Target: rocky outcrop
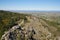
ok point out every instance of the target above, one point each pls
(16, 31)
(32, 30)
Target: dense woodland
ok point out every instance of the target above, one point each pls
(8, 19)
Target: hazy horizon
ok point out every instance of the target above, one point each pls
(37, 5)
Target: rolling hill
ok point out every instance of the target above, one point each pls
(18, 26)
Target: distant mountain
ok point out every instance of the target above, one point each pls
(31, 11)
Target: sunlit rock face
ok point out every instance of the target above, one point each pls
(18, 34)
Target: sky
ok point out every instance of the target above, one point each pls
(44, 5)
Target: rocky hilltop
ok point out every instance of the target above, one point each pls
(35, 29)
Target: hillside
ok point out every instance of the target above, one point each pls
(31, 27)
(9, 19)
